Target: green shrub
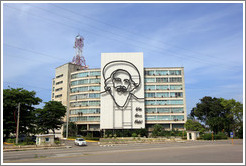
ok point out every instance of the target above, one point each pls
(220, 135)
(134, 135)
(207, 136)
(10, 140)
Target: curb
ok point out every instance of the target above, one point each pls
(71, 139)
(22, 149)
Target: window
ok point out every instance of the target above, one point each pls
(163, 117)
(79, 89)
(149, 79)
(176, 94)
(151, 117)
(164, 94)
(94, 88)
(53, 89)
(176, 87)
(161, 87)
(149, 87)
(149, 72)
(177, 117)
(175, 79)
(94, 81)
(94, 103)
(84, 118)
(54, 82)
(149, 94)
(57, 96)
(83, 82)
(161, 79)
(85, 111)
(150, 110)
(58, 89)
(150, 102)
(163, 110)
(161, 102)
(176, 102)
(94, 95)
(60, 82)
(161, 72)
(174, 72)
(177, 110)
(59, 76)
(95, 73)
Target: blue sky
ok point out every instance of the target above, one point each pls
(205, 39)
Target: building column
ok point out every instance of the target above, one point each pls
(171, 126)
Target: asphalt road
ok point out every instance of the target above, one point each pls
(172, 152)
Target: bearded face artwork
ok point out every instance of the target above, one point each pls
(119, 83)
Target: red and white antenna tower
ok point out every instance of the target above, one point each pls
(78, 59)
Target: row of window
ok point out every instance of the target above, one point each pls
(163, 87)
(85, 103)
(164, 94)
(146, 72)
(85, 96)
(148, 80)
(86, 74)
(147, 110)
(163, 80)
(162, 72)
(165, 117)
(163, 102)
(165, 110)
(85, 111)
(148, 118)
(85, 81)
(84, 118)
(85, 88)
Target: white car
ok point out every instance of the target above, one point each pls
(80, 142)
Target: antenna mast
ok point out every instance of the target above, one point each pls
(78, 59)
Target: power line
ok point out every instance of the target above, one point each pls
(32, 51)
(199, 59)
(7, 82)
(54, 21)
(111, 25)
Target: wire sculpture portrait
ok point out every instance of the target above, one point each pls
(120, 83)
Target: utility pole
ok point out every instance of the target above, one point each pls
(68, 102)
(17, 130)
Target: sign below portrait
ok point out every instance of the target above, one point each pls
(122, 91)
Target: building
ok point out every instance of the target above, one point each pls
(122, 94)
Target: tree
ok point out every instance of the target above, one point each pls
(218, 113)
(194, 126)
(11, 98)
(235, 110)
(50, 117)
(157, 131)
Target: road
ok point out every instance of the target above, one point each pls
(172, 152)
